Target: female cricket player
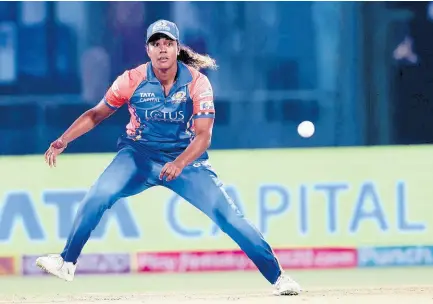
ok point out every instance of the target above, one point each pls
(170, 129)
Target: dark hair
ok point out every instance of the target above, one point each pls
(196, 60)
(188, 56)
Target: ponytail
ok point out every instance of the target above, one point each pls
(195, 60)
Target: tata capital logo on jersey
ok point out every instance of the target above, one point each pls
(148, 97)
(179, 97)
(156, 115)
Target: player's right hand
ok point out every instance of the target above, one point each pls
(56, 147)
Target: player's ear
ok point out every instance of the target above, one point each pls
(147, 49)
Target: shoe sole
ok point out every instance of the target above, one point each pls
(288, 293)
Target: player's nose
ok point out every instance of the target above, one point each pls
(163, 48)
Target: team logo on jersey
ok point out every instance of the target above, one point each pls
(179, 97)
(206, 105)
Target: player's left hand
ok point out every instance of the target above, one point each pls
(171, 170)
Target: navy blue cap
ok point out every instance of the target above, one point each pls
(163, 27)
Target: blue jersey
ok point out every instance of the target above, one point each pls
(162, 123)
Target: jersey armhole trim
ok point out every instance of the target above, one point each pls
(203, 115)
(109, 105)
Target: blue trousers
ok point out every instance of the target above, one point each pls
(131, 172)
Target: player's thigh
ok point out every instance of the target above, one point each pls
(199, 185)
(128, 174)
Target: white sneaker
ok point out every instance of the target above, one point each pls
(55, 265)
(286, 286)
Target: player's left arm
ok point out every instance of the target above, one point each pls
(201, 142)
(203, 115)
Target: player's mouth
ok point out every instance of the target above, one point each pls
(163, 59)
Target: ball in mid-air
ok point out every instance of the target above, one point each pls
(306, 129)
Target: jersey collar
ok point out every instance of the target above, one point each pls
(183, 73)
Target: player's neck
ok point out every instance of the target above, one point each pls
(166, 76)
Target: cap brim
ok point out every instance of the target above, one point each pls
(170, 35)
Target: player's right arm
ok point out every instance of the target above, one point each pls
(117, 95)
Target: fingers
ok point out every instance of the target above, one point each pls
(46, 155)
(53, 159)
(57, 147)
(169, 171)
(162, 174)
(50, 157)
(173, 173)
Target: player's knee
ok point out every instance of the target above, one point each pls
(101, 198)
(227, 219)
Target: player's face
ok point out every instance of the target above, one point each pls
(162, 52)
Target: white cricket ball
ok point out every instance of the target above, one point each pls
(306, 129)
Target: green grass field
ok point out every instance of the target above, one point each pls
(402, 285)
